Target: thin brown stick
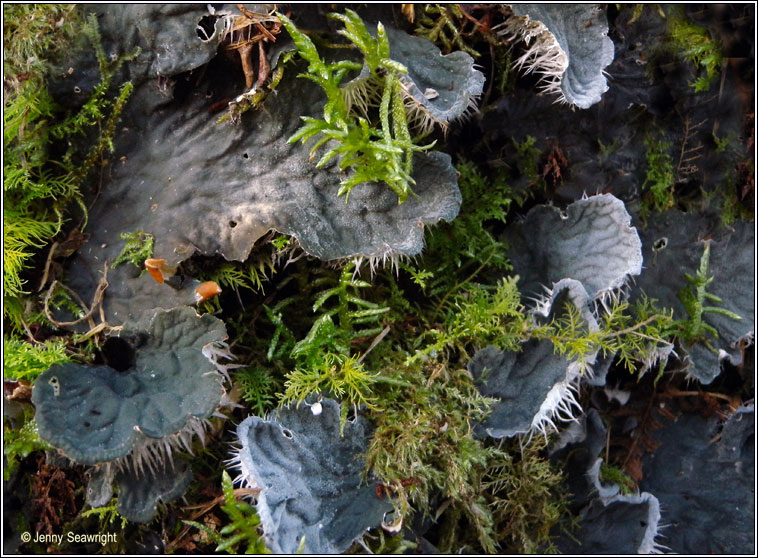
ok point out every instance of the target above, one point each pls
(375, 342)
(264, 68)
(49, 261)
(245, 52)
(97, 299)
(673, 392)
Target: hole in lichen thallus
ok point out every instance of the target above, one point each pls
(93, 413)
(287, 433)
(352, 415)
(232, 223)
(660, 244)
(118, 354)
(206, 27)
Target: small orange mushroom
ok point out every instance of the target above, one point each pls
(205, 291)
(159, 269)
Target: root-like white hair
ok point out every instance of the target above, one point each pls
(544, 57)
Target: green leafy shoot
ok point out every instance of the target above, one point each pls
(421, 277)
(633, 334)
(38, 190)
(475, 318)
(660, 178)
(108, 515)
(22, 235)
(692, 42)
(258, 388)
(375, 154)
(351, 310)
(696, 301)
(323, 359)
(23, 361)
(338, 376)
(19, 443)
(234, 276)
(242, 529)
(250, 275)
(442, 26)
(283, 340)
(356, 319)
(281, 242)
(138, 248)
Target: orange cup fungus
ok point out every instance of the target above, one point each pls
(207, 290)
(159, 269)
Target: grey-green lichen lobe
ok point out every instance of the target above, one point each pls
(140, 492)
(673, 246)
(443, 86)
(593, 242)
(581, 33)
(311, 478)
(95, 414)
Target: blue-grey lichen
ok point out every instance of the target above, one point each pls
(536, 385)
(570, 48)
(438, 89)
(704, 475)
(609, 522)
(100, 414)
(533, 386)
(310, 478)
(203, 188)
(618, 525)
(140, 493)
(673, 248)
(591, 242)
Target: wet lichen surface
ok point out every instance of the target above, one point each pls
(379, 278)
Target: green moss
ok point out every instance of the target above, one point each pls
(423, 443)
(528, 157)
(693, 43)
(660, 178)
(505, 75)
(458, 252)
(527, 498)
(242, 533)
(442, 26)
(697, 302)
(474, 318)
(23, 361)
(38, 191)
(632, 333)
(611, 474)
(323, 358)
(373, 153)
(20, 442)
(727, 197)
(108, 516)
(32, 32)
(137, 249)
(257, 387)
